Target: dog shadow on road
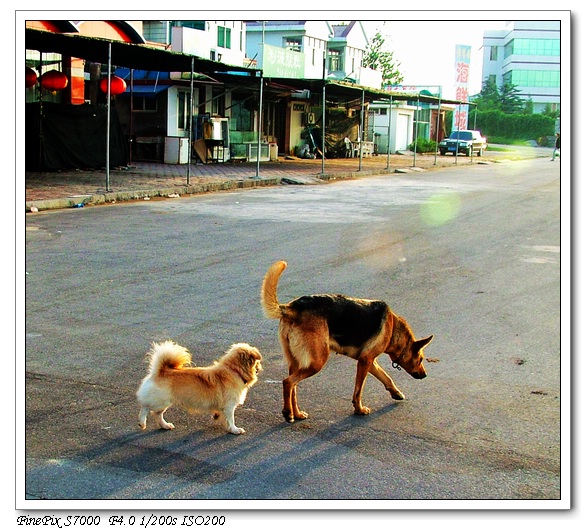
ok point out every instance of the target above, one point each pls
(281, 454)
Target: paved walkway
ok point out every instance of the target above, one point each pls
(74, 188)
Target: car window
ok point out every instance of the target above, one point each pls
(462, 135)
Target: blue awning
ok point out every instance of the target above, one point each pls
(145, 90)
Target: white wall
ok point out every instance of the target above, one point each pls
(401, 129)
(201, 43)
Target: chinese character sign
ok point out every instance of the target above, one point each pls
(280, 62)
(462, 66)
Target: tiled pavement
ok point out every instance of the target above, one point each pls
(62, 189)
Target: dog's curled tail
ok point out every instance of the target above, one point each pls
(167, 355)
(268, 292)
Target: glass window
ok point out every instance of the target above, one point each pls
(533, 78)
(224, 37)
(494, 53)
(144, 104)
(293, 44)
(194, 24)
(181, 111)
(540, 47)
(335, 60)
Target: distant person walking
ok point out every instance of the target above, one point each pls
(557, 147)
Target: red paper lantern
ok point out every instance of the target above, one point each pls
(54, 81)
(30, 77)
(117, 85)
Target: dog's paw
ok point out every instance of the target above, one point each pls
(300, 415)
(237, 430)
(142, 426)
(167, 426)
(363, 411)
(398, 395)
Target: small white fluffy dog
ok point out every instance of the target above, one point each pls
(219, 388)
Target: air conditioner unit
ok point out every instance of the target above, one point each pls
(309, 118)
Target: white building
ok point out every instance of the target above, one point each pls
(526, 54)
(297, 48)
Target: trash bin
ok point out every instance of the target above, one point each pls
(273, 151)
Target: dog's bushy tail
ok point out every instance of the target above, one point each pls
(167, 355)
(268, 292)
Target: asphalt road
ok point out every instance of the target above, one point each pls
(470, 254)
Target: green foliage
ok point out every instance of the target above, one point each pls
(510, 101)
(424, 146)
(496, 123)
(488, 98)
(506, 98)
(383, 61)
(551, 113)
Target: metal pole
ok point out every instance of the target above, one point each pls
(389, 133)
(40, 114)
(416, 132)
(361, 133)
(323, 118)
(108, 118)
(439, 107)
(130, 123)
(458, 131)
(191, 123)
(260, 101)
(259, 126)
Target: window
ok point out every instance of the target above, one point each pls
(494, 53)
(218, 103)
(183, 109)
(533, 78)
(224, 37)
(541, 47)
(335, 60)
(144, 104)
(292, 43)
(193, 24)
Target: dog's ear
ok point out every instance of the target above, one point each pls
(421, 343)
(249, 356)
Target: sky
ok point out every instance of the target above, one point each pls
(426, 49)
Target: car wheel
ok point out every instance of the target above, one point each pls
(443, 153)
(469, 151)
(479, 152)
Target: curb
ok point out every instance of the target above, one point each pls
(133, 195)
(79, 201)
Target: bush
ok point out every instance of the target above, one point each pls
(495, 123)
(424, 146)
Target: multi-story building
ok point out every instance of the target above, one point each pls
(526, 54)
(311, 49)
(227, 106)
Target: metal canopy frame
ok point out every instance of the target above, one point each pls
(133, 56)
(136, 56)
(143, 57)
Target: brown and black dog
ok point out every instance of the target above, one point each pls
(312, 326)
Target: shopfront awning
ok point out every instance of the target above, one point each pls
(138, 56)
(145, 90)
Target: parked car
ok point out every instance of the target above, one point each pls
(468, 142)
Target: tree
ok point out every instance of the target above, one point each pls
(548, 111)
(511, 103)
(488, 98)
(506, 98)
(382, 60)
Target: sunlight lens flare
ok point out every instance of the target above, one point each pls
(440, 209)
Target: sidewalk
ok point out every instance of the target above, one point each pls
(77, 188)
